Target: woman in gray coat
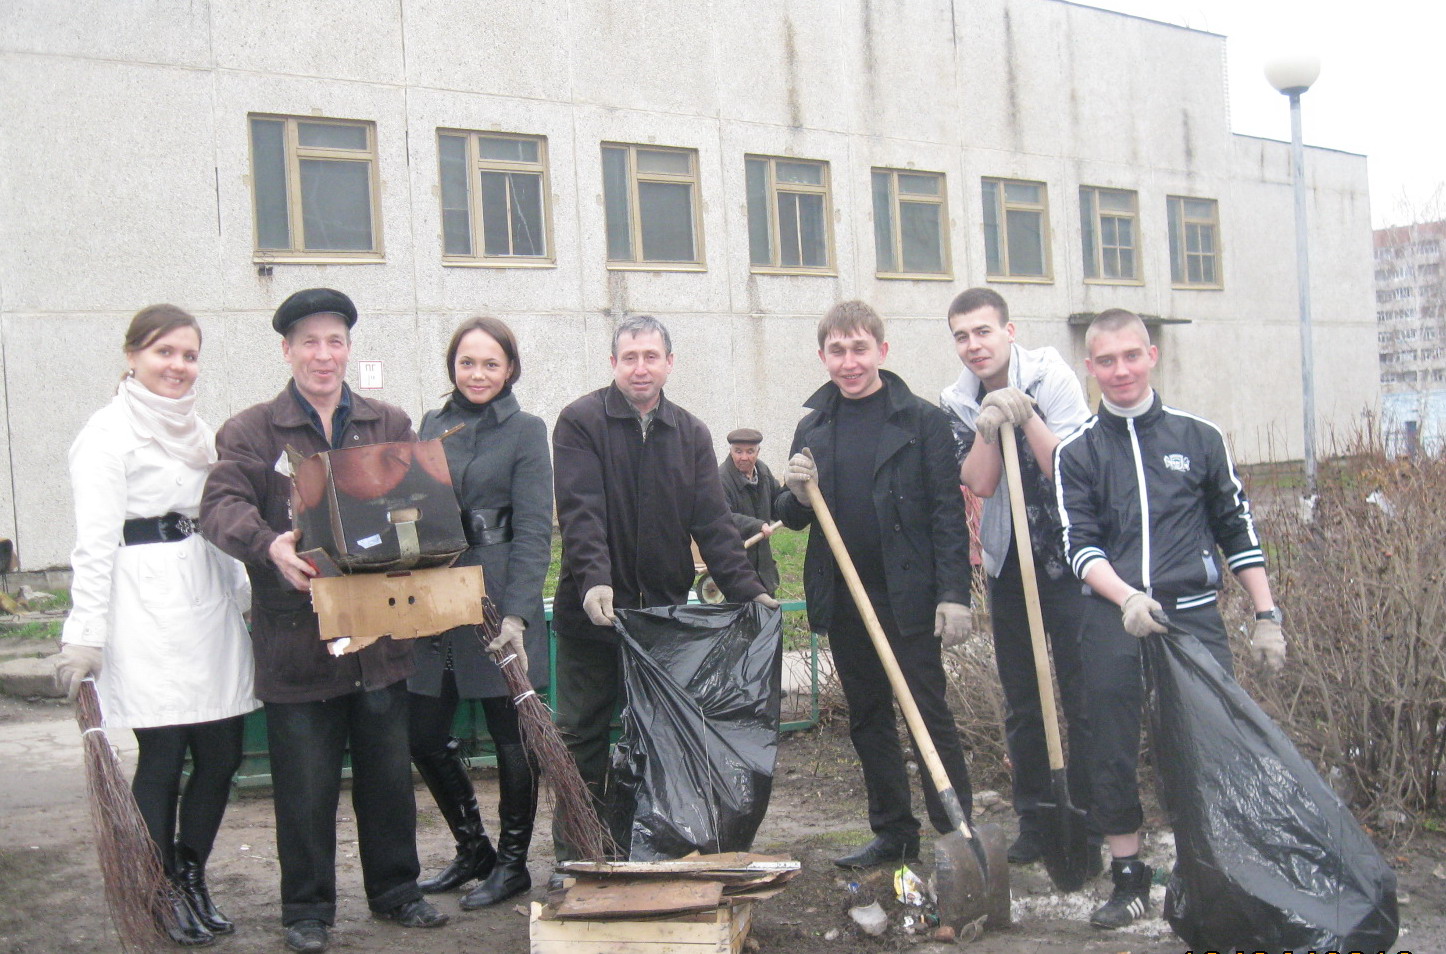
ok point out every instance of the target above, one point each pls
(503, 479)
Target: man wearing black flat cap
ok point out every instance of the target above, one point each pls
(750, 487)
(318, 707)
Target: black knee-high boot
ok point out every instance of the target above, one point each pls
(191, 879)
(517, 806)
(447, 780)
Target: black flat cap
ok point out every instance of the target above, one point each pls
(745, 435)
(312, 301)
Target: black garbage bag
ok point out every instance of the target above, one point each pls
(1268, 858)
(693, 769)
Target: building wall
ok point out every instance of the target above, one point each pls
(125, 179)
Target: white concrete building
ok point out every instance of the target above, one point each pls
(221, 154)
(1411, 335)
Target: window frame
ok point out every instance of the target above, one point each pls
(1180, 257)
(476, 165)
(294, 152)
(1097, 228)
(635, 219)
(772, 188)
(1002, 208)
(896, 199)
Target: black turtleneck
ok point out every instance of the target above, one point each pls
(461, 402)
(856, 443)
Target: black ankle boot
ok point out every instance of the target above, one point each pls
(191, 879)
(517, 780)
(186, 929)
(447, 780)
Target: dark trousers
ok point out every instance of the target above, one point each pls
(1115, 697)
(307, 741)
(872, 727)
(1061, 604)
(430, 719)
(215, 749)
(589, 685)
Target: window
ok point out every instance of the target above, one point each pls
(314, 184)
(650, 197)
(788, 215)
(494, 198)
(1108, 220)
(1016, 229)
(1194, 241)
(909, 231)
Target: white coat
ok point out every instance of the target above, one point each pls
(168, 615)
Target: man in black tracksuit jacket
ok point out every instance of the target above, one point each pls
(884, 462)
(1147, 494)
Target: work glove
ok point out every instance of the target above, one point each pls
(952, 623)
(988, 423)
(1139, 613)
(1267, 644)
(509, 640)
(72, 664)
(1017, 406)
(801, 470)
(766, 600)
(598, 605)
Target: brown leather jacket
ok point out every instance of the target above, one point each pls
(247, 504)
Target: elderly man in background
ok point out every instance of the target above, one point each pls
(750, 487)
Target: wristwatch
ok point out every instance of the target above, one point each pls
(1273, 613)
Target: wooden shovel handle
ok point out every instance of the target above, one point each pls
(1025, 549)
(759, 535)
(886, 656)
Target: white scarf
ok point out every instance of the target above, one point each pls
(170, 422)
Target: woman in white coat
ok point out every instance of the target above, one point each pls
(157, 616)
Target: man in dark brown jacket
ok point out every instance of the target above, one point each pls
(318, 706)
(635, 479)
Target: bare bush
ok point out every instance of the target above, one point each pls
(1364, 693)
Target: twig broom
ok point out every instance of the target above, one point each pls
(138, 894)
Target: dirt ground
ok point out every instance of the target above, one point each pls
(50, 898)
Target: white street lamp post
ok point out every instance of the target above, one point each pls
(1293, 75)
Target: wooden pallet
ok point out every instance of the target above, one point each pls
(719, 931)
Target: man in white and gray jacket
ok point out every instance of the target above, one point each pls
(1004, 385)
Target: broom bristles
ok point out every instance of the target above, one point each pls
(138, 895)
(574, 810)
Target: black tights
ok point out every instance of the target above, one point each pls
(430, 719)
(215, 749)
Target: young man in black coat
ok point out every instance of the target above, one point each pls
(635, 478)
(884, 461)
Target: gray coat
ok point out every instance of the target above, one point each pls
(499, 459)
(752, 506)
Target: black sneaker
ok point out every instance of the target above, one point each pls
(1130, 900)
(1027, 848)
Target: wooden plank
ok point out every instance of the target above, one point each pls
(618, 898)
(686, 934)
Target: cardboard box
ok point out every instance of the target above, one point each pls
(719, 931)
(378, 507)
(363, 607)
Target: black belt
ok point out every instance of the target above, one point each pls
(168, 528)
(486, 528)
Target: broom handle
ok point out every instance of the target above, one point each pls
(759, 535)
(1023, 546)
(942, 785)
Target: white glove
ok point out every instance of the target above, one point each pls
(509, 640)
(1138, 611)
(72, 664)
(1267, 644)
(1017, 406)
(598, 605)
(952, 623)
(988, 423)
(801, 470)
(766, 600)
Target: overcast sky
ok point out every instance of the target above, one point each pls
(1380, 90)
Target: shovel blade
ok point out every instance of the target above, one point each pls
(1066, 839)
(971, 877)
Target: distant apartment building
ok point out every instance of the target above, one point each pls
(1411, 333)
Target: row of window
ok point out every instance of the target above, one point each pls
(315, 181)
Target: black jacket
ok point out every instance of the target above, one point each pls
(1192, 501)
(626, 508)
(752, 506)
(498, 460)
(917, 500)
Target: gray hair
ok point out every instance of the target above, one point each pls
(641, 325)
